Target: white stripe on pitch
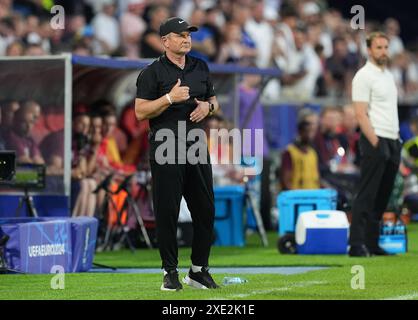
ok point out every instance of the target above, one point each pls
(257, 292)
(411, 296)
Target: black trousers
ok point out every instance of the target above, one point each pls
(378, 168)
(169, 183)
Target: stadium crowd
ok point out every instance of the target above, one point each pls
(314, 45)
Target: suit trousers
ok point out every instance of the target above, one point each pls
(169, 183)
(378, 168)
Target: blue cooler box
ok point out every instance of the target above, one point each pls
(322, 232)
(229, 218)
(292, 203)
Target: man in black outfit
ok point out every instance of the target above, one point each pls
(176, 93)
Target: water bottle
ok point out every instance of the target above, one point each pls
(334, 163)
(233, 280)
(388, 228)
(399, 227)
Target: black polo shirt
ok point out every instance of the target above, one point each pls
(158, 78)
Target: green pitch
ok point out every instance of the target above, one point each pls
(393, 277)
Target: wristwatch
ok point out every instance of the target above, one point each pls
(211, 108)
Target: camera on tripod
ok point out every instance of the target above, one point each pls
(30, 176)
(22, 176)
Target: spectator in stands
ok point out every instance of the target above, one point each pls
(110, 123)
(7, 34)
(151, 43)
(57, 44)
(233, 49)
(52, 150)
(114, 141)
(35, 50)
(81, 130)
(241, 13)
(328, 143)
(15, 49)
(321, 89)
(336, 162)
(221, 154)
(284, 43)
(95, 140)
(109, 142)
(226, 7)
(351, 135)
(97, 163)
(299, 165)
(283, 47)
(185, 8)
(45, 33)
(106, 28)
(5, 8)
(405, 74)
(392, 29)
(302, 70)
(85, 199)
(79, 146)
(213, 16)
(340, 68)
(103, 156)
(82, 49)
(261, 32)
(9, 109)
(203, 42)
(310, 12)
(75, 28)
(39, 130)
(137, 134)
(96, 123)
(311, 116)
(37, 36)
(132, 27)
(20, 136)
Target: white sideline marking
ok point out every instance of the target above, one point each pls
(411, 296)
(293, 286)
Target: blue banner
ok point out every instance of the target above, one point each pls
(44, 245)
(37, 245)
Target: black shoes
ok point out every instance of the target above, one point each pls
(363, 251)
(359, 251)
(379, 252)
(200, 280)
(171, 281)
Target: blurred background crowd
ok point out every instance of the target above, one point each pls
(312, 43)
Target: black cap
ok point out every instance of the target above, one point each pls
(175, 25)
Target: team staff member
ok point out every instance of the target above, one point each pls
(375, 101)
(177, 87)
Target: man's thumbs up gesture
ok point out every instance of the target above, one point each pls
(178, 93)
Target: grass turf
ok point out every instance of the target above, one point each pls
(394, 277)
